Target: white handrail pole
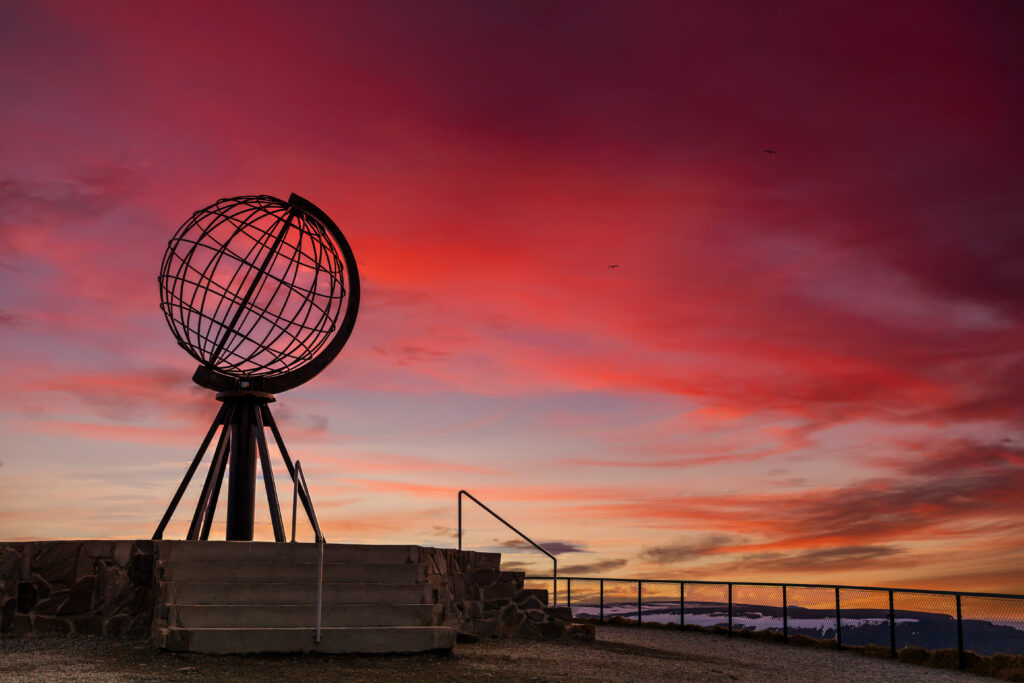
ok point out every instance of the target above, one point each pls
(320, 591)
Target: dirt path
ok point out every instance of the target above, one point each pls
(620, 654)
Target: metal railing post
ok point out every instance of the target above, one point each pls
(297, 478)
(785, 615)
(959, 634)
(602, 602)
(295, 502)
(460, 519)
(320, 591)
(892, 626)
(839, 622)
(568, 592)
(639, 603)
(730, 609)
(682, 604)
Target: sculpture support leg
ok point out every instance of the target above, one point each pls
(269, 420)
(220, 466)
(242, 477)
(268, 476)
(202, 505)
(159, 533)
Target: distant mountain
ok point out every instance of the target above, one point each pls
(926, 630)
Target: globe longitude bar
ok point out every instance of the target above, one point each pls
(292, 319)
(271, 253)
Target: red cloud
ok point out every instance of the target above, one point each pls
(488, 168)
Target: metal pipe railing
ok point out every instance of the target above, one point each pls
(830, 586)
(320, 540)
(554, 560)
(786, 604)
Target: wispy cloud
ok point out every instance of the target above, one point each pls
(686, 550)
(599, 568)
(8, 319)
(553, 547)
(405, 355)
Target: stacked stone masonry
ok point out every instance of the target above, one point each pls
(76, 587)
(481, 601)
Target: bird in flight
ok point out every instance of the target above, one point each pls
(769, 151)
(616, 265)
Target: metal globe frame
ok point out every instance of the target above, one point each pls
(223, 307)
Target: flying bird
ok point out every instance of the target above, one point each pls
(616, 265)
(769, 151)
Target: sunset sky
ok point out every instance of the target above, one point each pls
(808, 366)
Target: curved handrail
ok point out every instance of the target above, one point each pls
(320, 540)
(554, 560)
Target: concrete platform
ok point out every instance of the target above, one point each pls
(300, 616)
(278, 572)
(135, 587)
(261, 551)
(285, 593)
(247, 597)
(377, 640)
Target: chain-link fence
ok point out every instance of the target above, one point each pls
(983, 623)
(660, 602)
(756, 607)
(705, 604)
(810, 611)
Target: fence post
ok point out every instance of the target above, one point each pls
(682, 604)
(785, 616)
(892, 626)
(639, 603)
(959, 634)
(839, 622)
(568, 593)
(602, 601)
(730, 609)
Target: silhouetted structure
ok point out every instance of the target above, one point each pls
(264, 294)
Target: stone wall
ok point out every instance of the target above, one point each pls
(453, 576)
(76, 587)
(481, 601)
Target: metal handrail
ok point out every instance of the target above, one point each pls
(298, 476)
(554, 571)
(836, 588)
(930, 591)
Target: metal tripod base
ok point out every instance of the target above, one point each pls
(242, 422)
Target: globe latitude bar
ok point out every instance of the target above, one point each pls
(264, 294)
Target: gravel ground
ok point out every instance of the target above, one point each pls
(620, 654)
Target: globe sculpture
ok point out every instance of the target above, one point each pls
(263, 293)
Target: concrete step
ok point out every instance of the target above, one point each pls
(333, 640)
(258, 551)
(300, 616)
(282, 572)
(294, 593)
